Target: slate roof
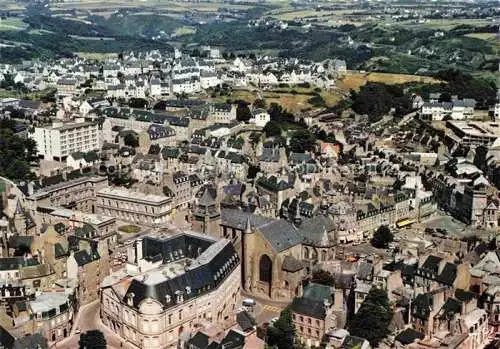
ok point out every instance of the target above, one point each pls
(13, 263)
(409, 336)
(232, 340)
(351, 342)
(313, 230)
(244, 320)
(198, 341)
(6, 339)
(448, 275)
(463, 295)
(309, 307)
(318, 292)
(291, 264)
(83, 257)
(214, 261)
(281, 234)
(17, 241)
(450, 307)
(431, 264)
(270, 155)
(365, 271)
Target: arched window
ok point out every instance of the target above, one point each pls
(306, 253)
(323, 255)
(314, 255)
(265, 269)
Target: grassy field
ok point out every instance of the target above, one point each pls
(354, 80)
(96, 55)
(293, 102)
(12, 24)
(482, 36)
(185, 30)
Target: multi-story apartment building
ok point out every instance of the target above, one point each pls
(182, 280)
(78, 193)
(58, 141)
(136, 207)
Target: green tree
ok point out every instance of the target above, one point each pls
(382, 237)
(302, 140)
(255, 138)
(282, 333)
(259, 103)
(323, 277)
(243, 112)
(252, 171)
(93, 339)
(272, 129)
(138, 103)
(373, 318)
(131, 140)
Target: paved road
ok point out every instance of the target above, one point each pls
(265, 309)
(88, 319)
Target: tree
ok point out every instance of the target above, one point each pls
(323, 277)
(302, 141)
(138, 103)
(252, 171)
(259, 103)
(382, 237)
(93, 339)
(255, 138)
(272, 129)
(131, 140)
(373, 318)
(243, 112)
(282, 332)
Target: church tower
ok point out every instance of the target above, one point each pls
(248, 272)
(206, 214)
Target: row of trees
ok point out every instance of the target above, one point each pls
(16, 152)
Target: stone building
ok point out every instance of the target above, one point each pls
(84, 266)
(133, 206)
(313, 314)
(79, 193)
(183, 280)
(271, 253)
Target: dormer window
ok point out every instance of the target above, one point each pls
(180, 296)
(168, 298)
(188, 290)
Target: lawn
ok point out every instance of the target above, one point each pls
(129, 229)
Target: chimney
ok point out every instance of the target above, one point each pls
(131, 254)
(138, 250)
(130, 299)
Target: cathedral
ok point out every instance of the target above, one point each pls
(276, 254)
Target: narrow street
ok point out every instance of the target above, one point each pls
(88, 319)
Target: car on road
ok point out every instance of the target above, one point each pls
(78, 331)
(249, 302)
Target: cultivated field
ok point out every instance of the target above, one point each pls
(354, 80)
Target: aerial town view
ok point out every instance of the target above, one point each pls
(249, 174)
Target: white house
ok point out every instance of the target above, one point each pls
(85, 108)
(208, 79)
(260, 117)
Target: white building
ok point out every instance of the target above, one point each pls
(182, 280)
(56, 142)
(260, 117)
